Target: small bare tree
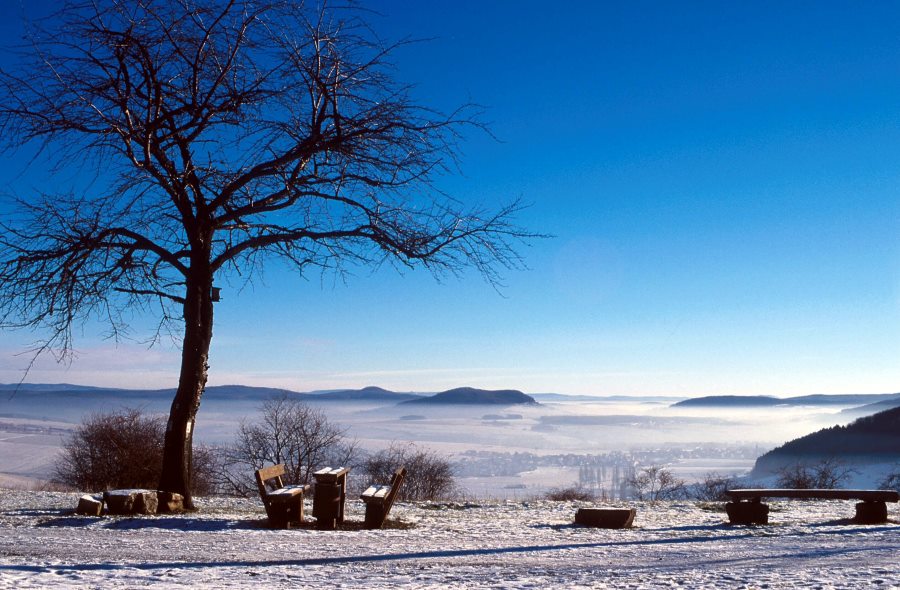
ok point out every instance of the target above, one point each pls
(891, 481)
(218, 135)
(713, 487)
(656, 483)
(289, 432)
(429, 476)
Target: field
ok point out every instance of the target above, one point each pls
(444, 545)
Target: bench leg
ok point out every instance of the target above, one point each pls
(327, 506)
(747, 512)
(871, 513)
(375, 515)
(285, 513)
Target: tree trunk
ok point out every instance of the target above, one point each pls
(198, 323)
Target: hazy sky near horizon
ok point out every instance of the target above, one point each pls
(722, 180)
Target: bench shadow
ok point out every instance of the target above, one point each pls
(139, 522)
(350, 559)
(175, 523)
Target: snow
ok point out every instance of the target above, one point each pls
(523, 544)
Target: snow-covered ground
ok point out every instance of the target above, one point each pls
(477, 545)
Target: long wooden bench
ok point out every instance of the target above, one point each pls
(747, 506)
(380, 498)
(284, 504)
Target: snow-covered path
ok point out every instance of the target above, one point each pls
(483, 545)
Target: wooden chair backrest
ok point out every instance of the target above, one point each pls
(396, 482)
(266, 474)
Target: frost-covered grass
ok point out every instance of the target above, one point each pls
(485, 544)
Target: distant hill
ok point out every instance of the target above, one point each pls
(370, 393)
(868, 409)
(472, 396)
(872, 439)
(770, 401)
(566, 397)
(46, 387)
(730, 400)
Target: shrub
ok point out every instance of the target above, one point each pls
(570, 494)
(122, 449)
(429, 476)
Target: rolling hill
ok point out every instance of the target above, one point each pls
(872, 439)
(370, 393)
(757, 401)
(472, 396)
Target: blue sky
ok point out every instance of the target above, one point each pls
(722, 181)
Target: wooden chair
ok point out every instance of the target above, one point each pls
(284, 504)
(380, 498)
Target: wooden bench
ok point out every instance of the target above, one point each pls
(747, 507)
(284, 504)
(380, 498)
(330, 496)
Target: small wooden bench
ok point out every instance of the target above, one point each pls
(747, 507)
(330, 496)
(284, 504)
(380, 498)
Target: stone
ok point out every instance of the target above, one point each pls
(146, 502)
(871, 513)
(747, 512)
(127, 502)
(608, 518)
(89, 506)
(170, 502)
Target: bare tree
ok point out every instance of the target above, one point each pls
(891, 481)
(655, 483)
(288, 432)
(218, 135)
(713, 487)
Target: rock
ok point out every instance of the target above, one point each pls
(747, 512)
(146, 502)
(170, 502)
(608, 518)
(131, 501)
(871, 513)
(89, 506)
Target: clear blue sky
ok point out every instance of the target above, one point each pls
(722, 178)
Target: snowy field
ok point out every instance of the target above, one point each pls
(476, 545)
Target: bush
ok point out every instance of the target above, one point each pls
(429, 476)
(570, 494)
(288, 432)
(123, 449)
